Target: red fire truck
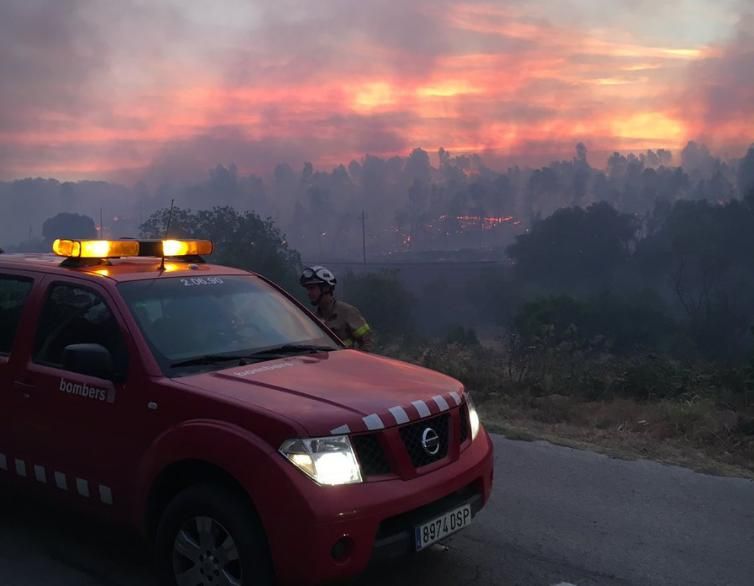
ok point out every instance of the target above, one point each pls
(208, 408)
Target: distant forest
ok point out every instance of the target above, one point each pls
(410, 205)
(643, 256)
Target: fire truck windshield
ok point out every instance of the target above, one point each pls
(207, 321)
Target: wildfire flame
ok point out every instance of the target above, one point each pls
(485, 222)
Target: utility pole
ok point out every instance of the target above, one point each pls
(364, 235)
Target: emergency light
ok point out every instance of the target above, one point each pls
(186, 247)
(101, 249)
(95, 248)
(173, 248)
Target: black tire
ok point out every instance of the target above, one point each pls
(229, 515)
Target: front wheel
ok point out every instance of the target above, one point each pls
(210, 536)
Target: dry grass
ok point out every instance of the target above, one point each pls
(629, 407)
(695, 436)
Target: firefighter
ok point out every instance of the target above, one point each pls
(343, 319)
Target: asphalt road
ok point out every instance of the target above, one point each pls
(558, 516)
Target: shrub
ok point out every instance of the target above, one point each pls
(458, 334)
(384, 302)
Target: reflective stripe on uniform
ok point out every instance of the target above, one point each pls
(361, 332)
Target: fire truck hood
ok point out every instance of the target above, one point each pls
(330, 393)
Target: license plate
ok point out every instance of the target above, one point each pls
(439, 528)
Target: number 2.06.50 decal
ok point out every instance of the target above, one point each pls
(201, 281)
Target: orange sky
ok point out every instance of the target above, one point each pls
(117, 92)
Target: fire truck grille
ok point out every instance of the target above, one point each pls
(370, 454)
(412, 439)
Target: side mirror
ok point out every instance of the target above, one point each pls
(89, 359)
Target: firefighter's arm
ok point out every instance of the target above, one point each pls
(360, 331)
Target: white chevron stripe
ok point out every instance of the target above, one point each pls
(422, 408)
(40, 474)
(343, 429)
(105, 494)
(441, 403)
(456, 398)
(60, 481)
(373, 421)
(82, 486)
(400, 415)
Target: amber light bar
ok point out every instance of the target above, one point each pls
(118, 248)
(95, 248)
(173, 248)
(186, 247)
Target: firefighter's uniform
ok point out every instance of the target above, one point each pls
(347, 323)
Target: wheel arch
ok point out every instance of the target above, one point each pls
(181, 475)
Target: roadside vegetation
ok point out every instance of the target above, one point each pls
(694, 414)
(625, 333)
(634, 336)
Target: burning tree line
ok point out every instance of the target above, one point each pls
(409, 202)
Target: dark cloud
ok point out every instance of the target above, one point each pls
(512, 111)
(375, 134)
(49, 55)
(188, 160)
(64, 60)
(721, 88)
(301, 42)
(339, 135)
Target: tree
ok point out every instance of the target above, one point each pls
(575, 249)
(552, 318)
(746, 173)
(697, 160)
(67, 225)
(606, 322)
(702, 256)
(418, 167)
(383, 301)
(242, 239)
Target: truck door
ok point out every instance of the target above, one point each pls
(69, 424)
(15, 290)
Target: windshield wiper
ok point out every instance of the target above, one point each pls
(267, 353)
(210, 359)
(287, 349)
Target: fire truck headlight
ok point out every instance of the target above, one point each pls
(474, 421)
(327, 460)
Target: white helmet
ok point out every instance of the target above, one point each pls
(318, 275)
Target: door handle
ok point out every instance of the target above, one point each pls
(24, 387)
